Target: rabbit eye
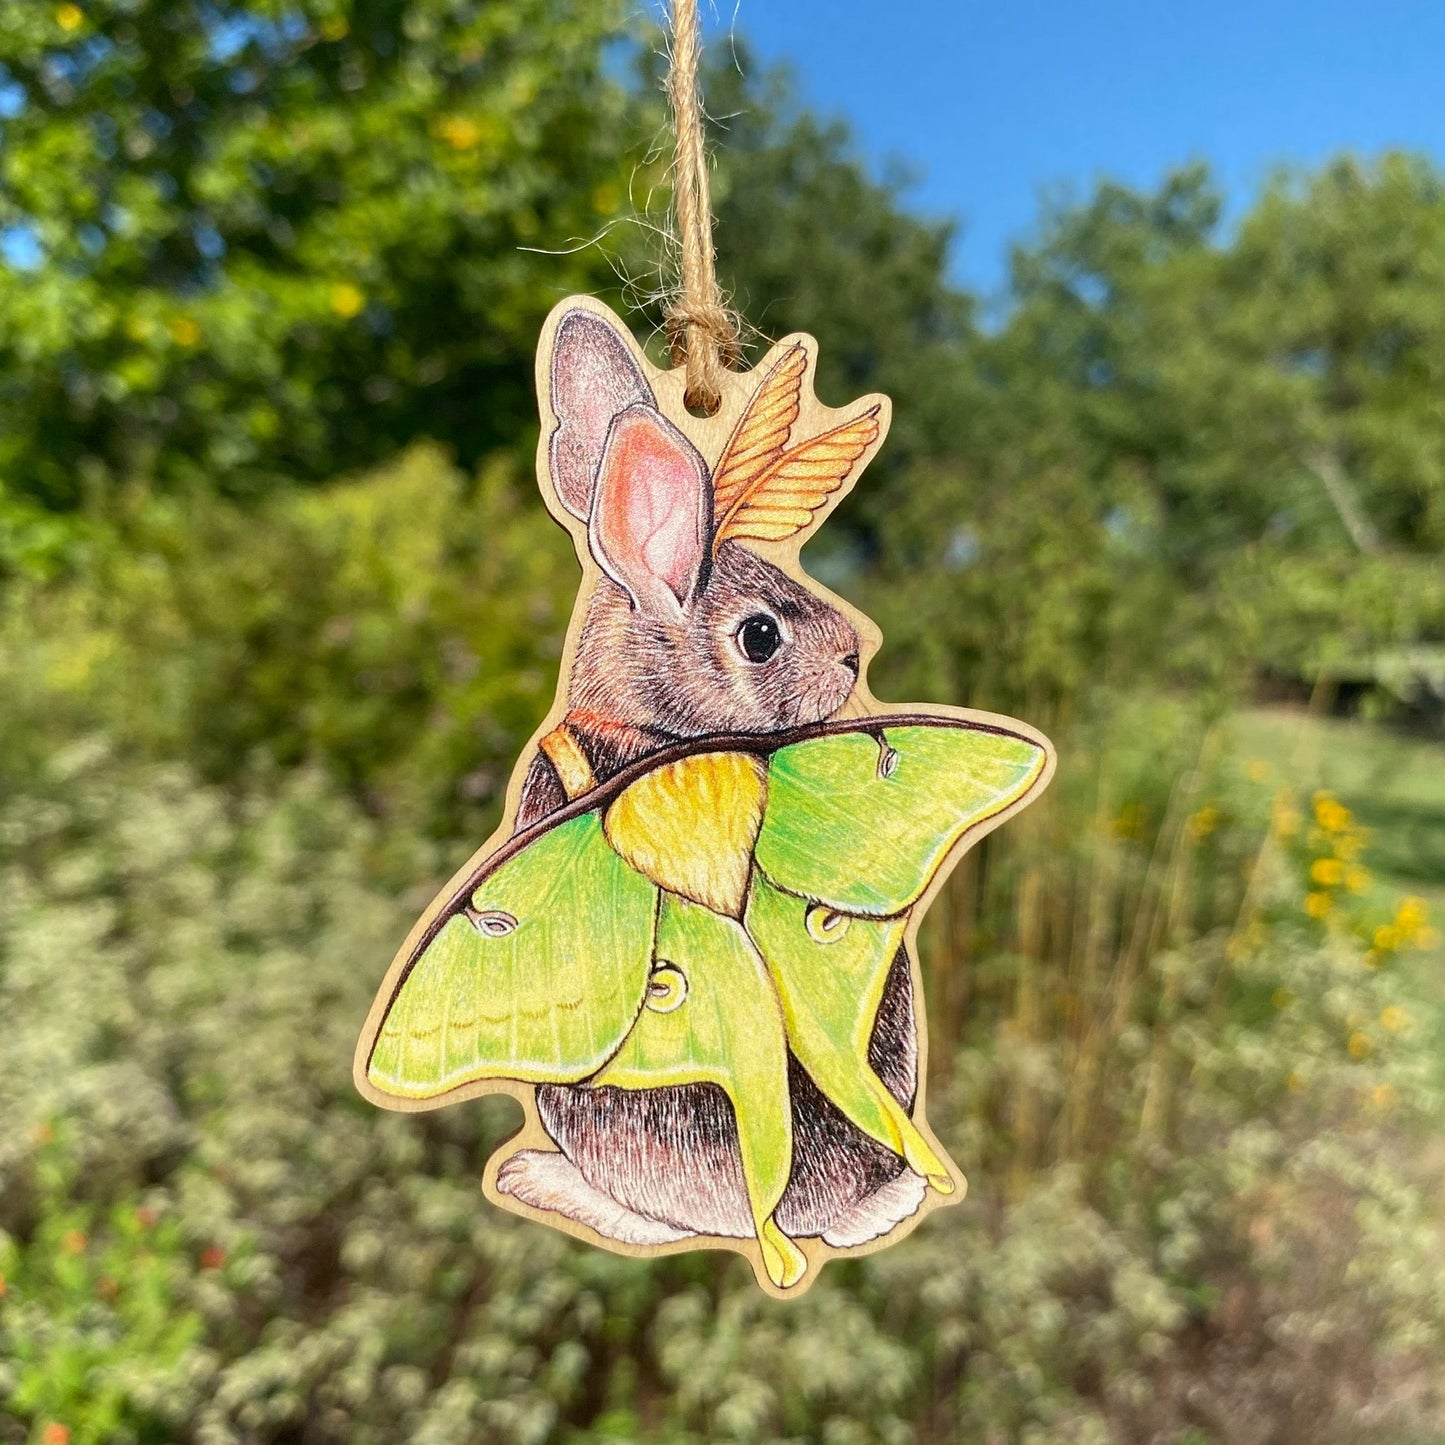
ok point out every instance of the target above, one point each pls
(759, 637)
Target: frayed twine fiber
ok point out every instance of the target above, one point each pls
(702, 329)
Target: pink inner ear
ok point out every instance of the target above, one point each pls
(593, 378)
(650, 516)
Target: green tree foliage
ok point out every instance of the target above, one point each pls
(1280, 380)
(261, 242)
(1336, 288)
(1195, 453)
(403, 629)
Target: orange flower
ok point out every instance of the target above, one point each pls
(74, 1241)
(1360, 1046)
(213, 1257)
(55, 1434)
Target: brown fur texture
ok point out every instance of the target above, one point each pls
(686, 676)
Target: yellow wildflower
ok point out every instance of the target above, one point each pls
(346, 300)
(1357, 879)
(1350, 845)
(1360, 1046)
(1393, 1019)
(1318, 904)
(69, 17)
(1331, 814)
(460, 133)
(1204, 822)
(184, 331)
(1410, 917)
(1329, 872)
(1257, 769)
(1386, 938)
(1383, 1096)
(334, 27)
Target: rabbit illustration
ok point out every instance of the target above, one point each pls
(688, 633)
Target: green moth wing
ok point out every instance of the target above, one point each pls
(830, 969)
(566, 958)
(861, 820)
(539, 981)
(712, 1016)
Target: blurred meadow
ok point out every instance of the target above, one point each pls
(279, 606)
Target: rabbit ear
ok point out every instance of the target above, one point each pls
(652, 512)
(593, 377)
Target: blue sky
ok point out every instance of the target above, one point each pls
(998, 104)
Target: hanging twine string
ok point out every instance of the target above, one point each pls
(702, 330)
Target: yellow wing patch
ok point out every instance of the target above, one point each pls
(690, 827)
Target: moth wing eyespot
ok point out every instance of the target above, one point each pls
(824, 924)
(666, 989)
(887, 757)
(491, 922)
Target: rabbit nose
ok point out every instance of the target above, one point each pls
(851, 663)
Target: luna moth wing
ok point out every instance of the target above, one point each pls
(537, 976)
(559, 995)
(862, 819)
(830, 969)
(712, 1016)
(856, 825)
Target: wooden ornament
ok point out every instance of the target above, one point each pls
(690, 949)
